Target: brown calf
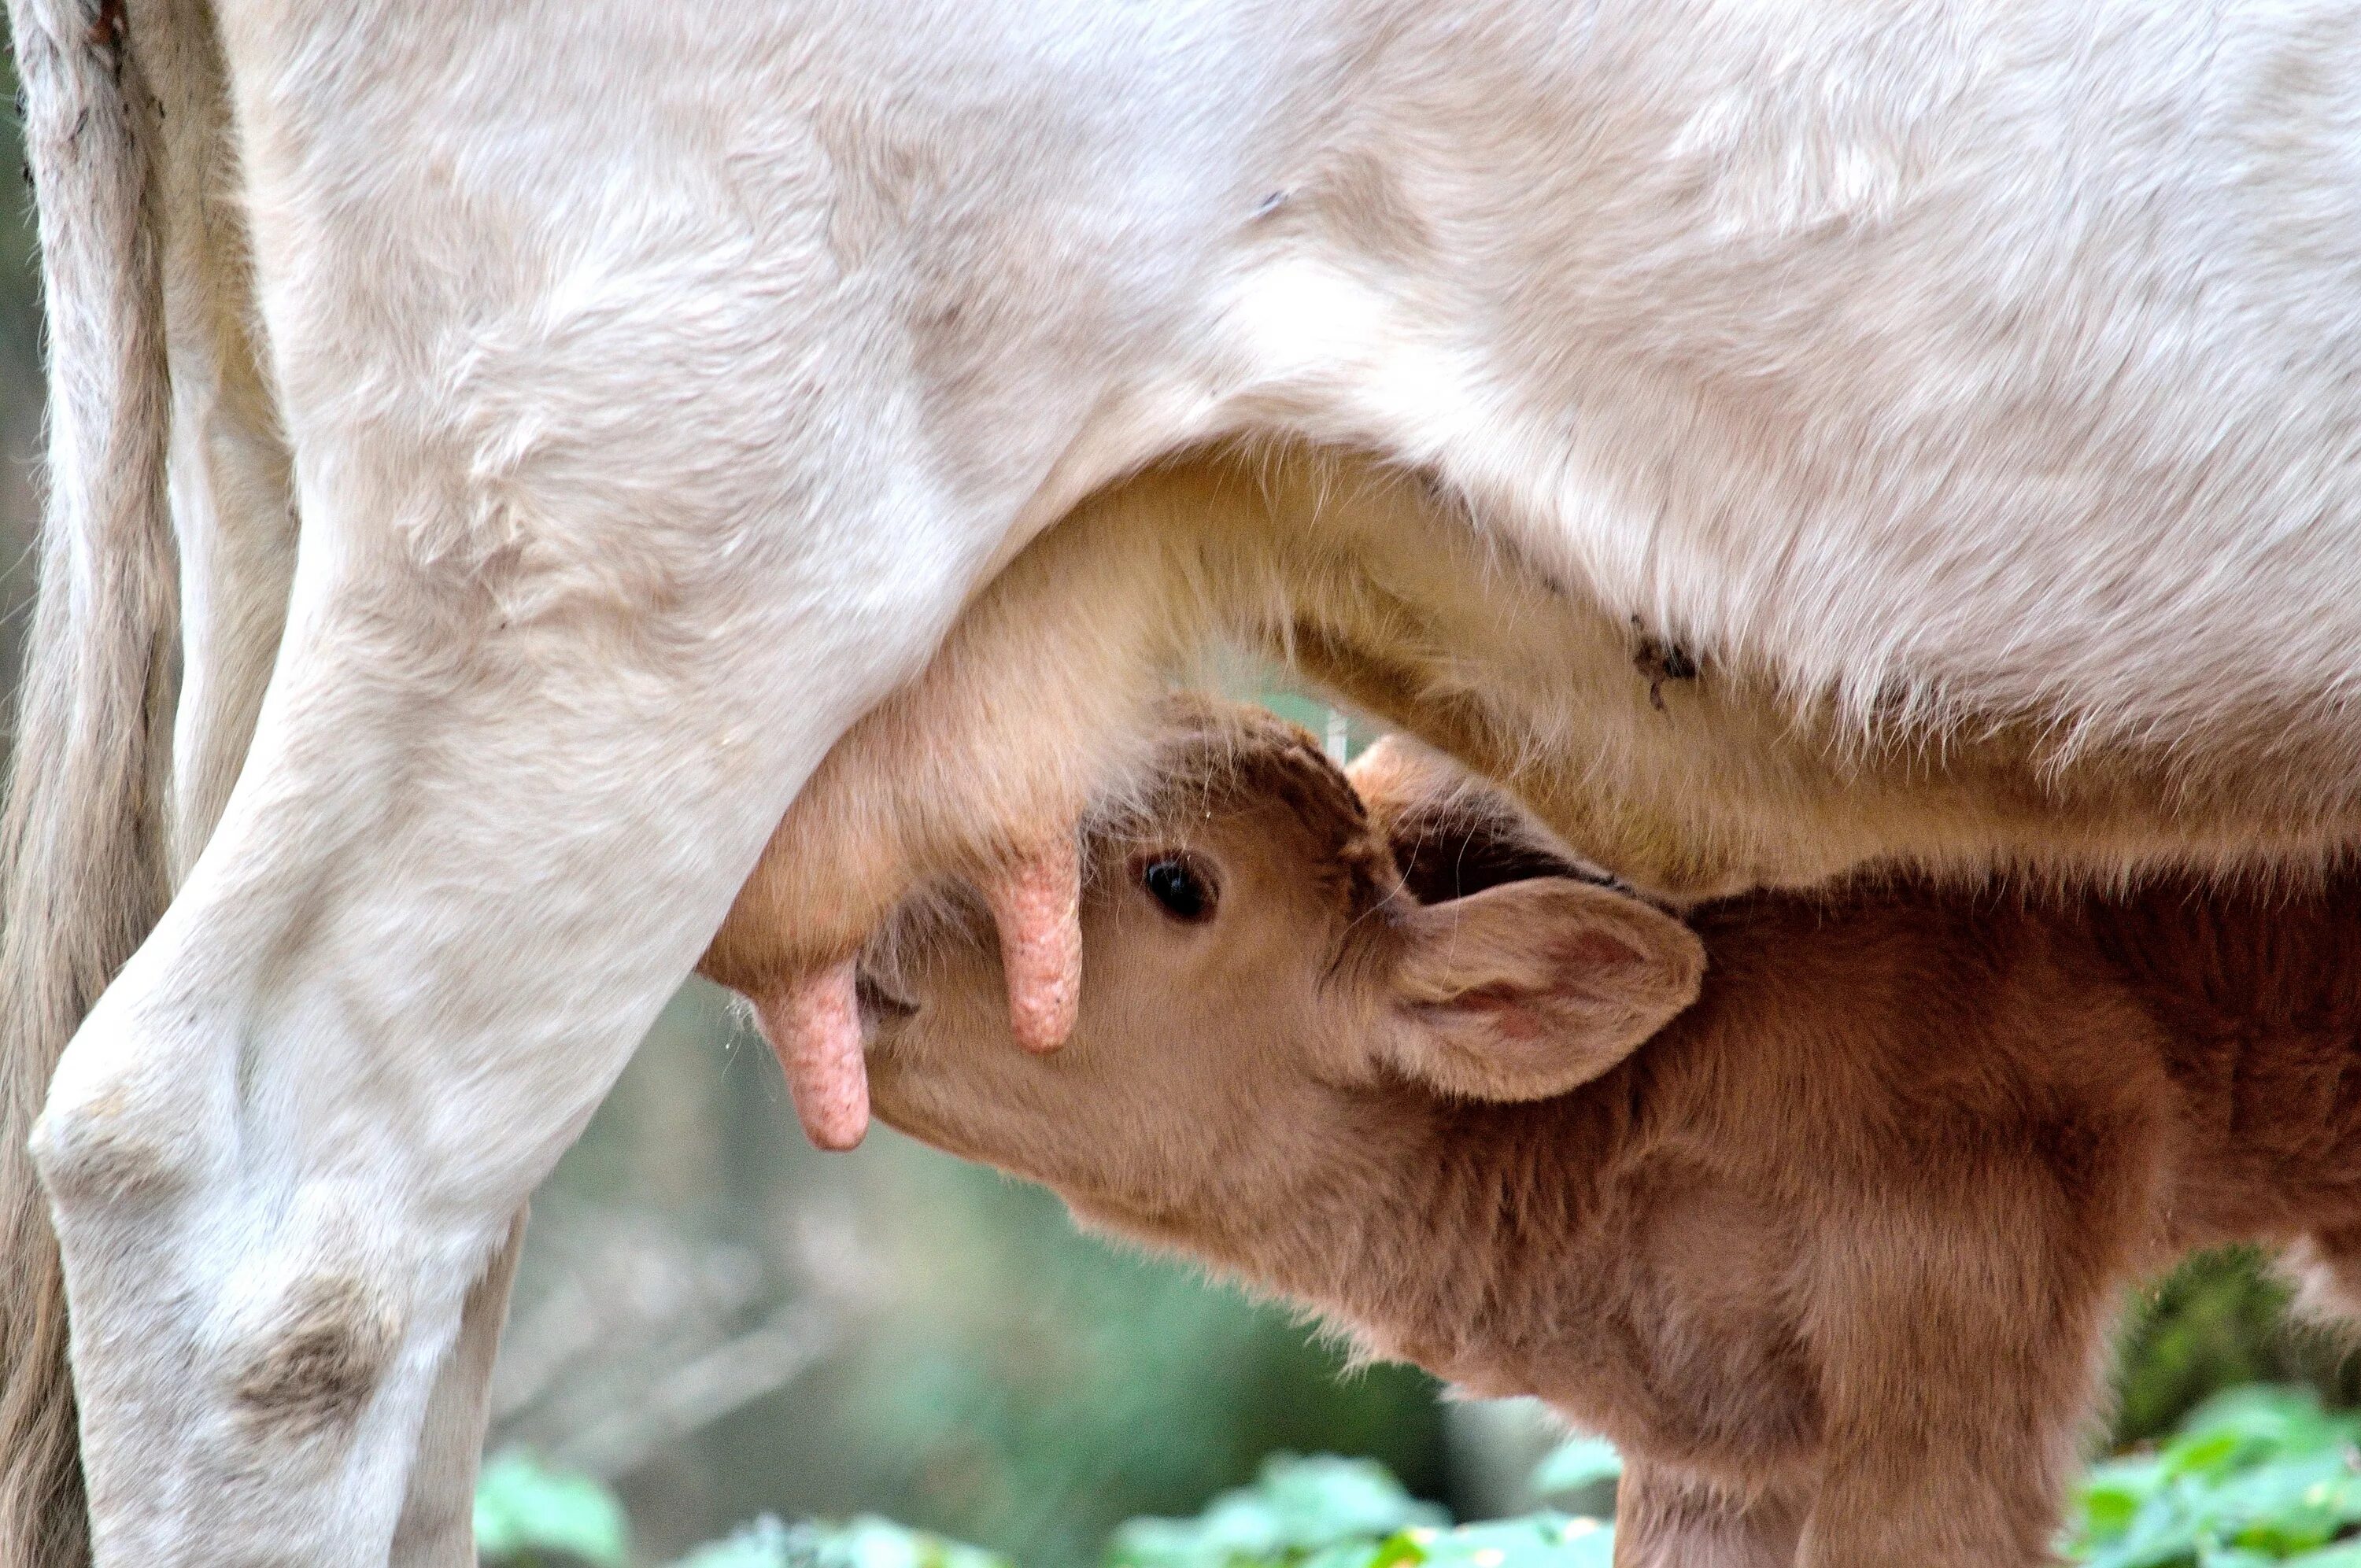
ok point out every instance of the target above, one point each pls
(1833, 1258)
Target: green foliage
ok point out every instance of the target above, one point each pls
(2255, 1475)
(863, 1543)
(1536, 1541)
(2215, 1323)
(1296, 1509)
(528, 1516)
(1346, 1513)
(1575, 1465)
(1317, 1512)
(1037, 1388)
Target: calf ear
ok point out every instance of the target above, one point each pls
(1525, 990)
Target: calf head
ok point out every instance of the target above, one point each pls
(1256, 960)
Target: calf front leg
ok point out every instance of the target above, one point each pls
(1962, 1338)
(1666, 1519)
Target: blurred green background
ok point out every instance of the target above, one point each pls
(720, 1322)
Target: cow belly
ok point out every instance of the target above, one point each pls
(1683, 763)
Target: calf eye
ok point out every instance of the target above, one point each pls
(1175, 883)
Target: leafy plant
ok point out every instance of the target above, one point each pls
(862, 1543)
(1317, 1512)
(2217, 1322)
(1347, 1513)
(2255, 1475)
(1296, 1509)
(528, 1516)
(1576, 1463)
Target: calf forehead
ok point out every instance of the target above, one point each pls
(1222, 762)
(1452, 832)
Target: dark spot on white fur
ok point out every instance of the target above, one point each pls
(314, 1368)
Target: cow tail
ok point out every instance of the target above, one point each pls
(84, 868)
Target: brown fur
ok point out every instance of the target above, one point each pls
(1832, 1256)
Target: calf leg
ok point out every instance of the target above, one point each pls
(1962, 1345)
(1665, 1518)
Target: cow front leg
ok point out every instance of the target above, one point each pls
(485, 829)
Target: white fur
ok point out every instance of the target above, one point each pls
(659, 381)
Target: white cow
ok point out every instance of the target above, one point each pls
(655, 383)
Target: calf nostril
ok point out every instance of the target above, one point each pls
(878, 1002)
(881, 998)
